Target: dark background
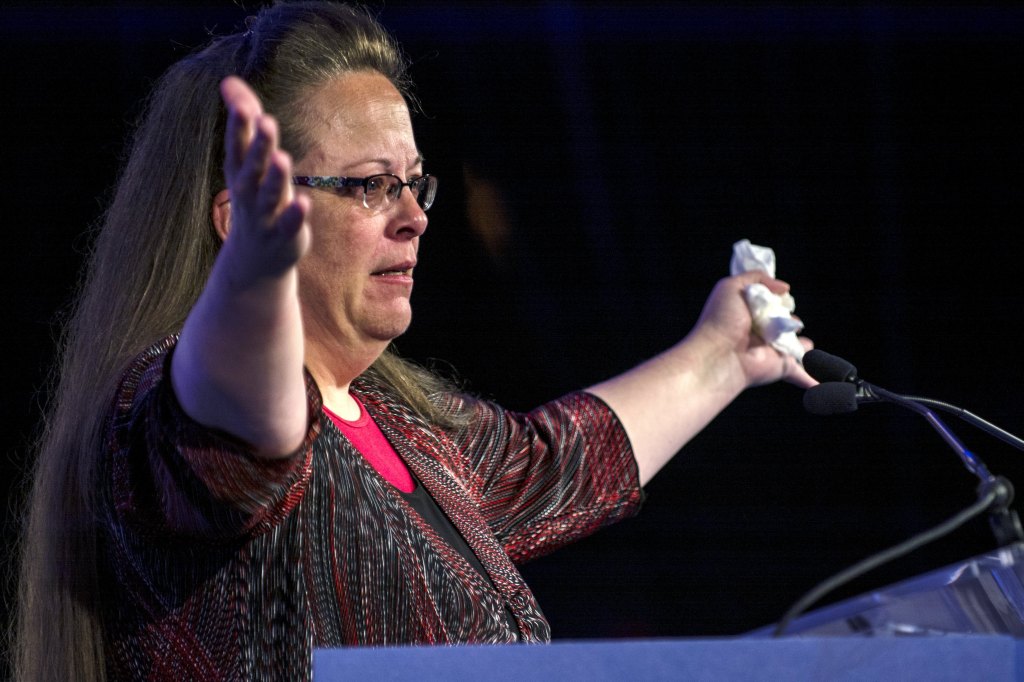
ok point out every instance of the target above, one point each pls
(597, 163)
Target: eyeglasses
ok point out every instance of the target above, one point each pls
(379, 191)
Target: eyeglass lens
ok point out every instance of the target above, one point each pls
(383, 190)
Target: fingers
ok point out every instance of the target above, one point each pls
(243, 110)
(795, 374)
(793, 371)
(776, 286)
(267, 219)
(271, 195)
(292, 219)
(257, 172)
(250, 140)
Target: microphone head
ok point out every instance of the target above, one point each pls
(826, 367)
(833, 397)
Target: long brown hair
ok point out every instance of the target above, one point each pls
(149, 263)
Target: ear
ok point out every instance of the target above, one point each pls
(220, 212)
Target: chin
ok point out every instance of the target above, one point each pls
(389, 330)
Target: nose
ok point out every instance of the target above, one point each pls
(409, 219)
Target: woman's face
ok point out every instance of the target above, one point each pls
(356, 280)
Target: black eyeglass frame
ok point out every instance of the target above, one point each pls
(424, 188)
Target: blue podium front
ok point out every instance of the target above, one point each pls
(959, 658)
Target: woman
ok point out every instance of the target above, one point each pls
(239, 471)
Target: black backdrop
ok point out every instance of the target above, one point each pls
(597, 163)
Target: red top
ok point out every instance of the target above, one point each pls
(371, 443)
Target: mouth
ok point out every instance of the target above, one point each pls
(397, 270)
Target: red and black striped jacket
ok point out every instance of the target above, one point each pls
(217, 565)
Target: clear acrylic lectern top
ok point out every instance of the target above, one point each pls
(982, 595)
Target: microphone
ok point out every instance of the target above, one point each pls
(831, 397)
(826, 367)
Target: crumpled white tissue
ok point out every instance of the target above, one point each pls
(772, 314)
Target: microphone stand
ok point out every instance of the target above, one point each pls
(995, 494)
(971, 418)
(1004, 521)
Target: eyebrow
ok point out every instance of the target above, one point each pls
(418, 161)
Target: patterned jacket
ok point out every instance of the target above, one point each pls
(217, 565)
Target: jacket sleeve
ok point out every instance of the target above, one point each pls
(548, 477)
(169, 475)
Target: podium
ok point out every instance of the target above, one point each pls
(955, 658)
(982, 595)
(961, 622)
